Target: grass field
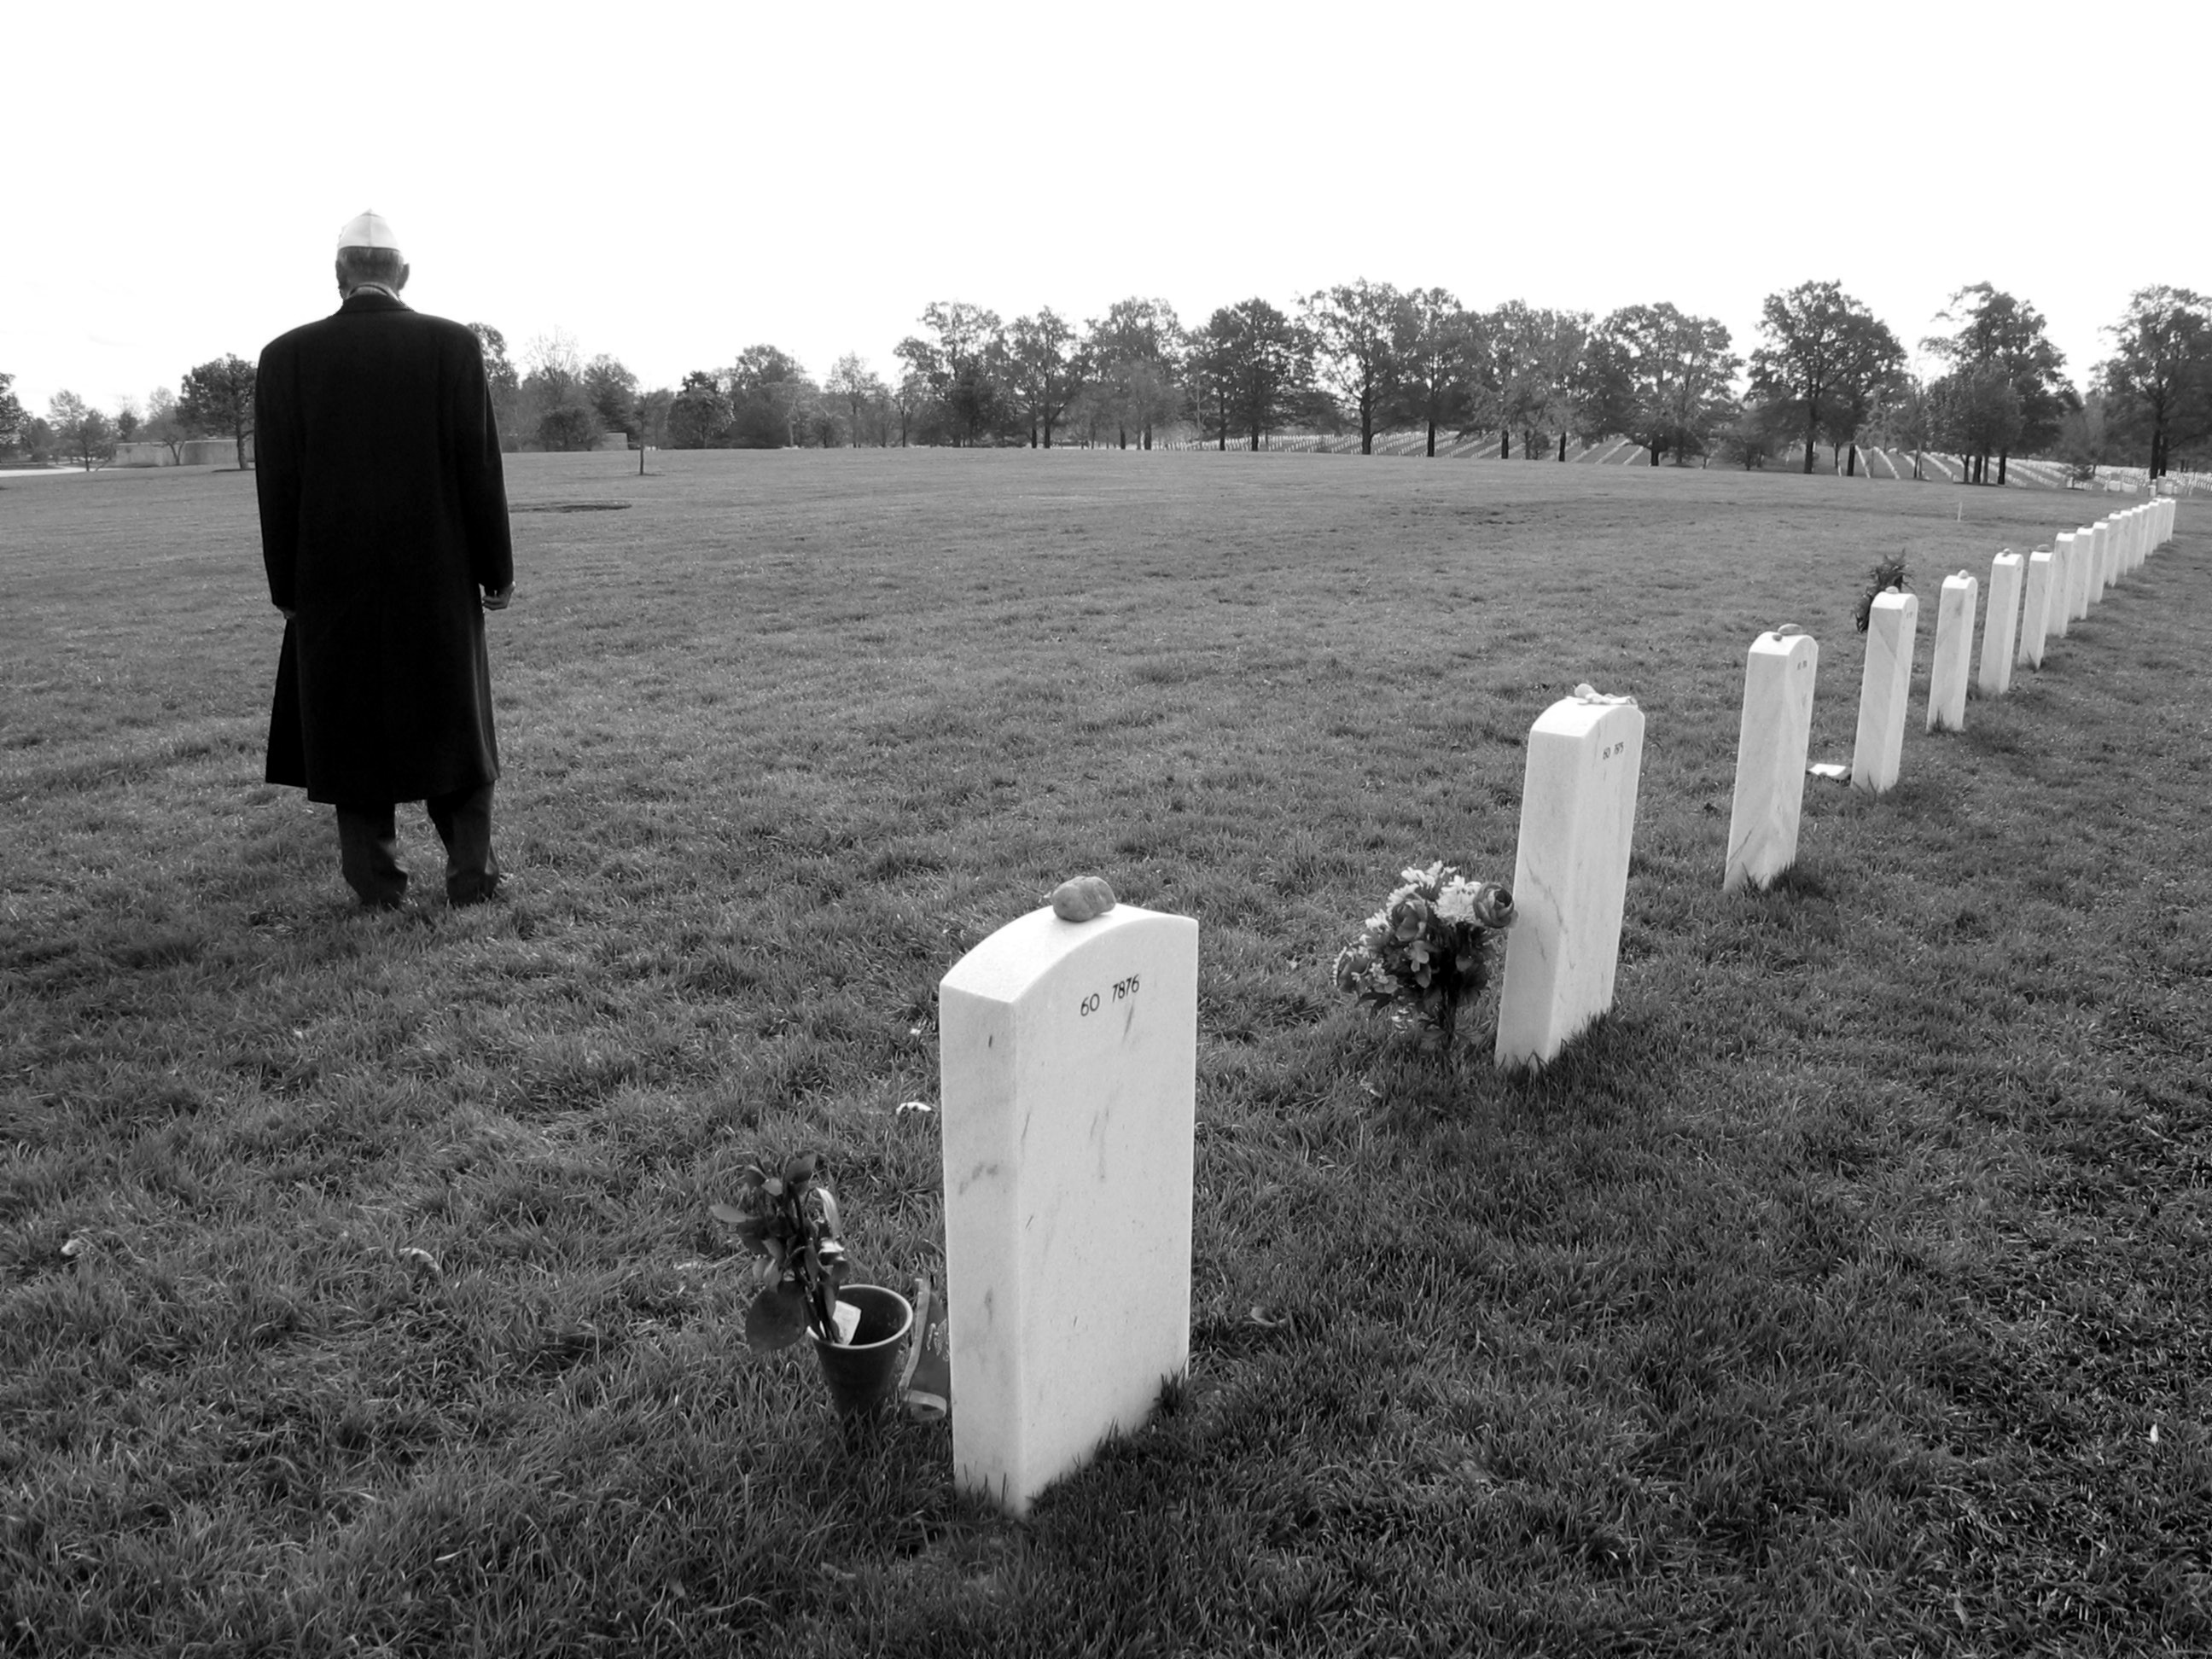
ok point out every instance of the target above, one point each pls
(1844, 1292)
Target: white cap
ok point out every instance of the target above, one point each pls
(367, 230)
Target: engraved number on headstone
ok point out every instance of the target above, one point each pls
(1123, 990)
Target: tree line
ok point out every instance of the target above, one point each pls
(1362, 358)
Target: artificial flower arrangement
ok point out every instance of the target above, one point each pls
(790, 1221)
(1425, 954)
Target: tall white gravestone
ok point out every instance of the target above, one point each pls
(2100, 547)
(2001, 629)
(1954, 653)
(1068, 1054)
(1883, 687)
(1570, 876)
(2042, 600)
(1769, 758)
(2068, 551)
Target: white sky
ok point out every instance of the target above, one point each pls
(672, 182)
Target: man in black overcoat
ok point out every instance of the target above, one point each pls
(384, 527)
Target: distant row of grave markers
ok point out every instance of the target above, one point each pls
(1068, 1050)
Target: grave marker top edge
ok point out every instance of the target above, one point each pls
(1025, 950)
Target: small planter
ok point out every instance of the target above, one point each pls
(861, 1373)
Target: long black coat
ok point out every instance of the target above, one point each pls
(383, 514)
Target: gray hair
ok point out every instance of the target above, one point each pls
(370, 265)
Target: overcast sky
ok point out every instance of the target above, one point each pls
(672, 182)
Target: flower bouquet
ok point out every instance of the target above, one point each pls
(1425, 953)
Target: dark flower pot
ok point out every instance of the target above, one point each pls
(860, 1373)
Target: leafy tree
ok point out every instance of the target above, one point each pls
(1533, 377)
(552, 405)
(611, 390)
(2157, 384)
(1756, 430)
(85, 433)
(652, 411)
(1439, 361)
(569, 425)
(162, 424)
(11, 415)
(1663, 378)
(1997, 333)
(218, 398)
(1362, 333)
(1266, 366)
(700, 412)
(1135, 353)
(1979, 412)
(2084, 439)
(1871, 369)
(858, 386)
(497, 369)
(1209, 376)
(771, 399)
(127, 420)
(506, 384)
(1828, 358)
(1913, 419)
(912, 395)
(964, 367)
(1046, 368)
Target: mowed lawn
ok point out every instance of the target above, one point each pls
(1846, 1290)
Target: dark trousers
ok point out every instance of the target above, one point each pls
(368, 847)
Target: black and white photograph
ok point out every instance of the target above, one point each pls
(1242, 829)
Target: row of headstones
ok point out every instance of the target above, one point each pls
(2063, 583)
(1068, 1079)
(1068, 1050)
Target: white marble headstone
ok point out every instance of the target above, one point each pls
(1068, 1053)
(1570, 876)
(2001, 627)
(1769, 758)
(2087, 585)
(1954, 653)
(2070, 552)
(1883, 687)
(2042, 605)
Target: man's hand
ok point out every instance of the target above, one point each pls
(496, 598)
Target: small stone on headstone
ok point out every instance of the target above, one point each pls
(1082, 898)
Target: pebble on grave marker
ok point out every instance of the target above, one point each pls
(2001, 627)
(1068, 1060)
(1571, 874)
(1770, 757)
(1884, 685)
(1954, 653)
